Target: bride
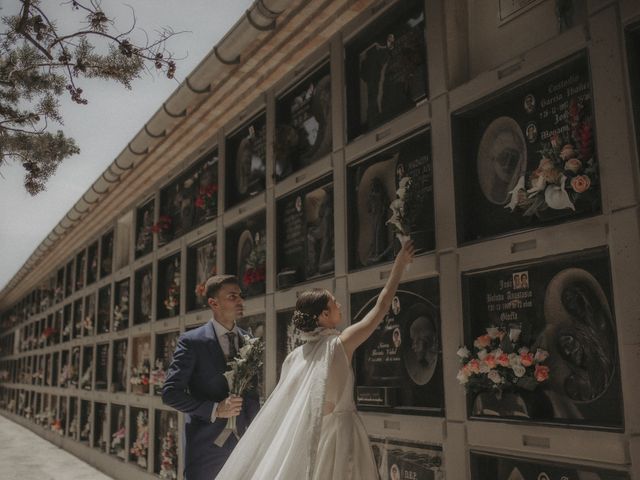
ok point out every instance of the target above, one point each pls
(309, 428)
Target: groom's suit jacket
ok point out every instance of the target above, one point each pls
(194, 383)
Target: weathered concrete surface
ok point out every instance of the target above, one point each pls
(26, 456)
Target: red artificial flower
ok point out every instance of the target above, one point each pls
(199, 203)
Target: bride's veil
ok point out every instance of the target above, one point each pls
(282, 440)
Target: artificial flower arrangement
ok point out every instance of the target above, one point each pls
(140, 378)
(207, 198)
(172, 300)
(56, 426)
(169, 454)
(567, 169)
(498, 361)
(117, 442)
(163, 225)
(87, 323)
(141, 445)
(243, 369)
(158, 375)
(255, 271)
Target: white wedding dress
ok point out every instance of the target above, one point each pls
(309, 427)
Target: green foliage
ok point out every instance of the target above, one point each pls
(39, 64)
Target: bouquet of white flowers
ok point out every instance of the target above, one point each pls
(242, 370)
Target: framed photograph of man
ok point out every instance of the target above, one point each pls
(399, 368)
(562, 306)
(399, 459)
(498, 467)
(526, 157)
(303, 123)
(246, 161)
(386, 68)
(202, 263)
(305, 246)
(390, 193)
(246, 255)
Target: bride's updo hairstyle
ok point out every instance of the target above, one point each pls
(309, 306)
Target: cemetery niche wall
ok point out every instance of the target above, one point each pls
(509, 169)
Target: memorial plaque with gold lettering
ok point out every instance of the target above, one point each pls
(564, 306)
(399, 368)
(527, 157)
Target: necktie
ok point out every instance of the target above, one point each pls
(233, 351)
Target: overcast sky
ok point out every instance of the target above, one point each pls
(111, 119)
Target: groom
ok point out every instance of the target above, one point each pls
(195, 383)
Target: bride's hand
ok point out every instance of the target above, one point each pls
(406, 253)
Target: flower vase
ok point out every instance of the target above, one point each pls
(138, 389)
(508, 403)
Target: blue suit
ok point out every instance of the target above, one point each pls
(194, 382)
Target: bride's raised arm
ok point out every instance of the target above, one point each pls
(355, 335)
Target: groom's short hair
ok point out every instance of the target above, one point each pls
(215, 283)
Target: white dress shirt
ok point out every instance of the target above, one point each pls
(223, 340)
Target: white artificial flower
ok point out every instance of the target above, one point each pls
(557, 197)
(537, 185)
(518, 370)
(495, 377)
(493, 332)
(463, 376)
(244, 351)
(463, 352)
(513, 202)
(482, 354)
(497, 352)
(514, 359)
(484, 368)
(523, 350)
